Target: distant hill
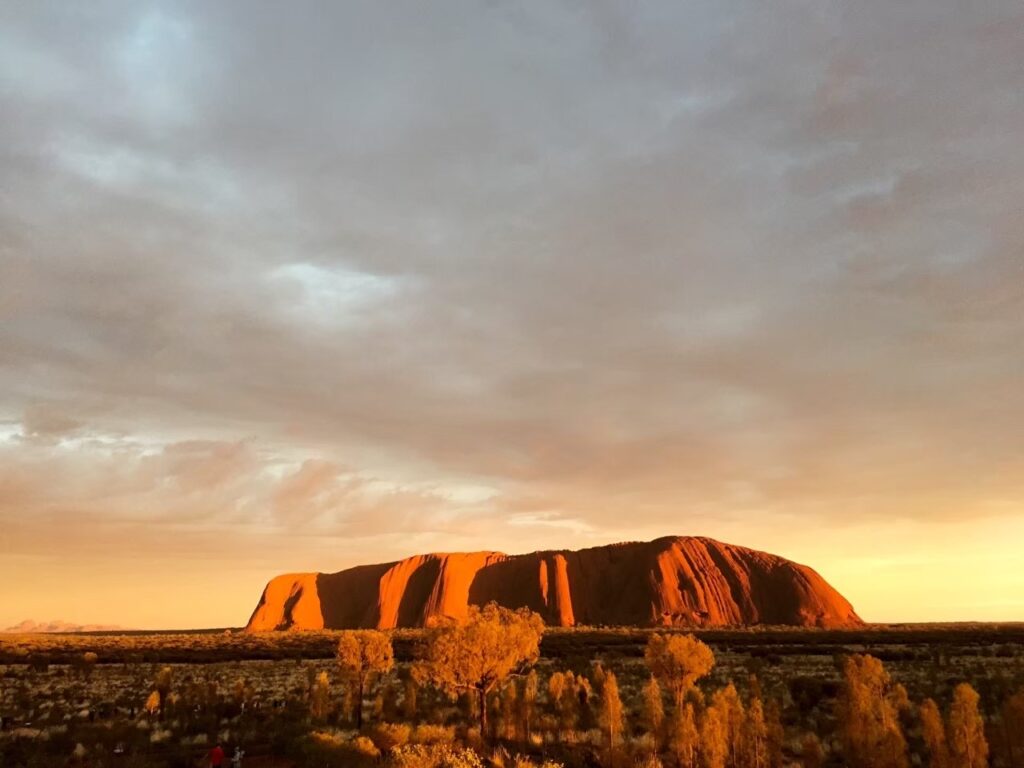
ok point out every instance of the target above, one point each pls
(29, 627)
(672, 581)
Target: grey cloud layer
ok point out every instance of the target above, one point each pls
(725, 258)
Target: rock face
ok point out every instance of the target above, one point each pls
(675, 581)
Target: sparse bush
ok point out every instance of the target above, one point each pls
(331, 749)
(387, 736)
(432, 734)
(434, 756)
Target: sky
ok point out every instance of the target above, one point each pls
(294, 287)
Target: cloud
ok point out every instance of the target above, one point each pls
(43, 421)
(312, 271)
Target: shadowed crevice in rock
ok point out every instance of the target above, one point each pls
(349, 598)
(412, 606)
(512, 583)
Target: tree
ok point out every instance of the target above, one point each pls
(320, 697)
(755, 735)
(653, 709)
(386, 703)
(163, 681)
(714, 744)
(1011, 719)
(361, 655)
(776, 733)
(934, 734)
(965, 730)
(727, 701)
(89, 659)
(684, 738)
(243, 693)
(811, 753)
(158, 700)
(610, 714)
(528, 701)
(152, 705)
(564, 700)
(479, 652)
(569, 696)
(410, 694)
(868, 713)
(584, 694)
(509, 707)
(678, 661)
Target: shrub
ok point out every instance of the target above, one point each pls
(434, 756)
(331, 749)
(387, 736)
(426, 733)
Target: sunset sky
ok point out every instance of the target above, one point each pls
(296, 287)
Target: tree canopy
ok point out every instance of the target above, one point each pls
(362, 654)
(478, 652)
(678, 661)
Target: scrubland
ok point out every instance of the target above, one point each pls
(943, 696)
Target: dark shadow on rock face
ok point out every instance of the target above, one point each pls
(513, 583)
(417, 592)
(612, 584)
(349, 599)
(289, 606)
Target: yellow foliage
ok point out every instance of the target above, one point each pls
(361, 655)
(426, 733)
(153, 703)
(934, 735)
(965, 730)
(653, 709)
(868, 708)
(479, 652)
(755, 735)
(727, 702)
(610, 715)
(387, 736)
(714, 744)
(320, 697)
(684, 738)
(678, 661)
(434, 756)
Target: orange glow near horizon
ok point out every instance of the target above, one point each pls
(904, 578)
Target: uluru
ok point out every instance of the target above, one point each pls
(671, 581)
